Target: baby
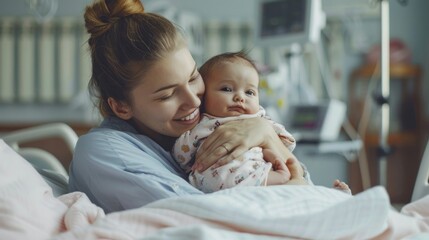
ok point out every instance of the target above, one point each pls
(231, 82)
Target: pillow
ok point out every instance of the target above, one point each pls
(28, 209)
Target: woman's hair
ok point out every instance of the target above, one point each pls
(240, 56)
(122, 35)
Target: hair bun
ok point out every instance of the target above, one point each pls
(101, 15)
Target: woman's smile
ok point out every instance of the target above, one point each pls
(191, 118)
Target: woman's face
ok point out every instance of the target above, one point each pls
(167, 101)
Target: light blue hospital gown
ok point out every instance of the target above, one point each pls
(119, 168)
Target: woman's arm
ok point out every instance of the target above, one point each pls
(232, 139)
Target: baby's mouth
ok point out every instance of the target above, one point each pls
(239, 109)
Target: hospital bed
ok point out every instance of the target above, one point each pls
(48, 166)
(38, 157)
(251, 213)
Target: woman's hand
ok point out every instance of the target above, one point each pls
(231, 140)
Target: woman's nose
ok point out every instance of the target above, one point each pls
(193, 100)
(192, 97)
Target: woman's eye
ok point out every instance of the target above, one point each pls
(226, 89)
(165, 97)
(197, 76)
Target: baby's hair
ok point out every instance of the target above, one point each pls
(240, 56)
(125, 41)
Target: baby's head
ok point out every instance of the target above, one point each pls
(231, 82)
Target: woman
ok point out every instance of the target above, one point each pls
(149, 92)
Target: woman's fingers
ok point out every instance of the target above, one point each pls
(219, 157)
(236, 153)
(225, 144)
(211, 150)
(212, 159)
(212, 143)
(232, 139)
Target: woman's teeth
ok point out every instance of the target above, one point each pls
(190, 116)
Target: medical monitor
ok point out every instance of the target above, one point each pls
(316, 122)
(284, 22)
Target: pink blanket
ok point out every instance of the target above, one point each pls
(28, 210)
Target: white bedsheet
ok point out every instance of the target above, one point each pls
(294, 212)
(28, 210)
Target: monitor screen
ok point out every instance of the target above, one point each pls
(308, 118)
(284, 22)
(283, 17)
(321, 121)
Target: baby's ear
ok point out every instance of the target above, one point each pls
(122, 110)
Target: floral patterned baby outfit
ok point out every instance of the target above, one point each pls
(250, 169)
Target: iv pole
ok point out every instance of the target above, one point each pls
(383, 100)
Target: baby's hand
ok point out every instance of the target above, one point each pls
(278, 165)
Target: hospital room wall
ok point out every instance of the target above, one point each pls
(407, 22)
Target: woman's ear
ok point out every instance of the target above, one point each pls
(120, 109)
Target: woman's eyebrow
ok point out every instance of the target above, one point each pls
(165, 87)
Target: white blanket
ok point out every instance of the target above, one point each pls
(28, 210)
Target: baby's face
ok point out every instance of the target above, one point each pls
(231, 90)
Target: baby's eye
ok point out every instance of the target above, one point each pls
(251, 92)
(226, 89)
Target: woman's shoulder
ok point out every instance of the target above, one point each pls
(112, 135)
(102, 135)
(109, 138)
(123, 149)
